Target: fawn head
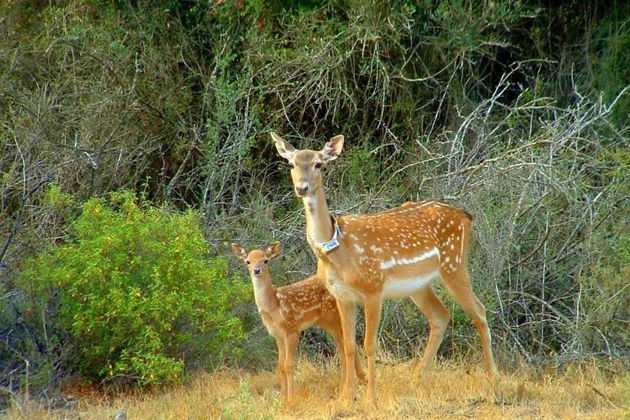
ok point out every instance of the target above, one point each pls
(257, 259)
(306, 164)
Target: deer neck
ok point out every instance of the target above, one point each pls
(319, 227)
(265, 294)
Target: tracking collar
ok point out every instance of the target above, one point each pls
(326, 248)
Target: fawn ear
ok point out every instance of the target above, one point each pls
(239, 251)
(273, 249)
(332, 150)
(284, 148)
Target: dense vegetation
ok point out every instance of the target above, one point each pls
(135, 296)
(516, 110)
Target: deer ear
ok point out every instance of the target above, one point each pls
(284, 148)
(239, 251)
(273, 249)
(332, 150)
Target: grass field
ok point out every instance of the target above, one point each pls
(452, 390)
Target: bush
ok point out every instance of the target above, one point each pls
(136, 295)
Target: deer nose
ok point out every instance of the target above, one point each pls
(301, 189)
(257, 270)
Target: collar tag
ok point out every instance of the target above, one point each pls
(329, 246)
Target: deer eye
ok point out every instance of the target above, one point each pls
(266, 261)
(290, 165)
(318, 165)
(248, 262)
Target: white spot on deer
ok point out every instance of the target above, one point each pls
(376, 248)
(388, 264)
(404, 261)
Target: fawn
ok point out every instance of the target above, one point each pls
(288, 310)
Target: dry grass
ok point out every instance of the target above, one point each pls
(453, 390)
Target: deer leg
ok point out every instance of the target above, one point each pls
(291, 346)
(438, 316)
(373, 307)
(458, 285)
(337, 335)
(357, 368)
(281, 370)
(348, 313)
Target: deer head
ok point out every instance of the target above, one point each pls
(257, 259)
(306, 164)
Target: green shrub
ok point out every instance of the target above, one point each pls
(136, 294)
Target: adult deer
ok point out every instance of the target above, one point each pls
(287, 310)
(392, 254)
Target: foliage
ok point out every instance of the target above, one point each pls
(135, 293)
